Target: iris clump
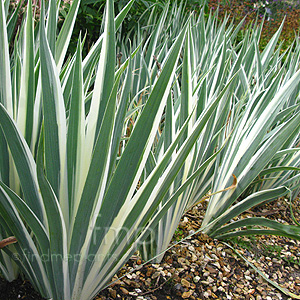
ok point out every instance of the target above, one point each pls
(101, 154)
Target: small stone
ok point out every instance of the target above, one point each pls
(113, 293)
(185, 283)
(150, 271)
(194, 257)
(124, 291)
(260, 288)
(186, 295)
(210, 280)
(251, 291)
(211, 270)
(217, 264)
(191, 248)
(196, 279)
(178, 286)
(227, 270)
(182, 260)
(221, 289)
(155, 275)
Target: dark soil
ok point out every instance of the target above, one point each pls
(18, 289)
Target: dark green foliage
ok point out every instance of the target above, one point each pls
(89, 18)
(88, 21)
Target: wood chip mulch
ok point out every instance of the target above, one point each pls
(205, 268)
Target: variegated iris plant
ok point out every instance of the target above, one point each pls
(71, 190)
(101, 156)
(248, 152)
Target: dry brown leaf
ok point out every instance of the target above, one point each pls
(233, 186)
(7, 241)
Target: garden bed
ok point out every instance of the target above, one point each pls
(203, 268)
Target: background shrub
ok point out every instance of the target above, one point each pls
(271, 12)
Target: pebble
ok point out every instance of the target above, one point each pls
(181, 260)
(155, 275)
(227, 270)
(206, 294)
(185, 283)
(194, 257)
(186, 295)
(210, 280)
(124, 291)
(221, 289)
(217, 264)
(113, 293)
(191, 248)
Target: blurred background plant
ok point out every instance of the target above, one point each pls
(270, 12)
(90, 14)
